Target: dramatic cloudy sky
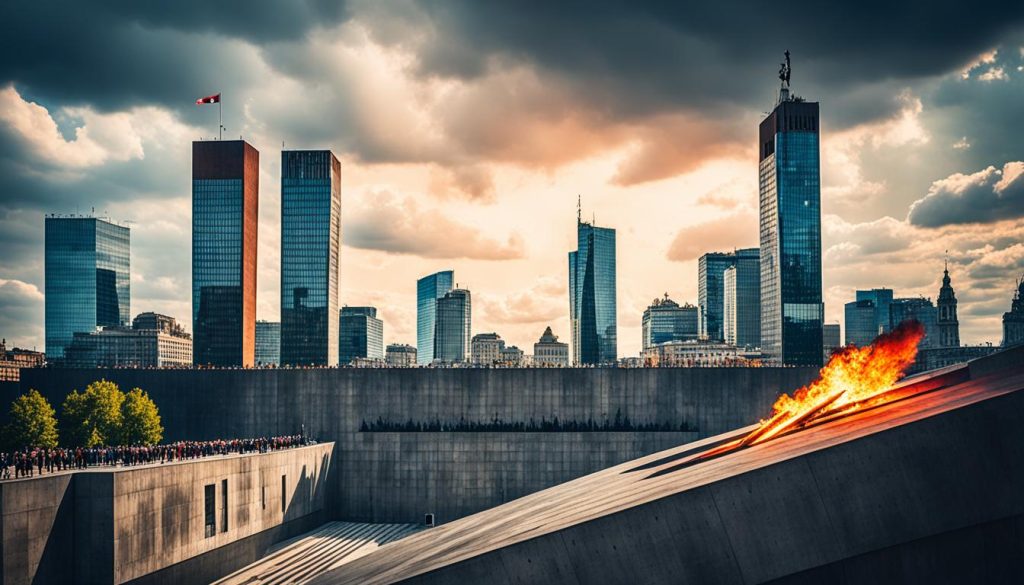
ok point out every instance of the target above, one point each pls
(467, 129)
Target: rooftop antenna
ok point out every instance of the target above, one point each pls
(785, 70)
(579, 208)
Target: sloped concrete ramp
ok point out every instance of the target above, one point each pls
(300, 559)
(929, 489)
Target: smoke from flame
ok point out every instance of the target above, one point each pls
(853, 377)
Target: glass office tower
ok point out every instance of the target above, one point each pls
(225, 214)
(710, 316)
(428, 290)
(310, 243)
(592, 310)
(361, 335)
(452, 327)
(790, 215)
(268, 343)
(87, 273)
(665, 320)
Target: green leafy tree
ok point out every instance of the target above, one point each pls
(75, 430)
(140, 419)
(93, 417)
(33, 422)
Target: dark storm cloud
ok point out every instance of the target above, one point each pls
(114, 54)
(638, 58)
(987, 196)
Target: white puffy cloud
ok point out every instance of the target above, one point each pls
(989, 195)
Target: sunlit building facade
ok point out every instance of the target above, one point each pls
(549, 352)
(792, 312)
(310, 256)
(87, 275)
(710, 304)
(400, 355)
(428, 290)
(225, 217)
(592, 294)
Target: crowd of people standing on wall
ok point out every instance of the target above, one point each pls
(31, 461)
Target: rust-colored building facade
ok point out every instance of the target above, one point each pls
(225, 215)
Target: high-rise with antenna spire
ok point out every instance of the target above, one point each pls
(789, 175)
(592, 296)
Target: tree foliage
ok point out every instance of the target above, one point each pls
(93, 417)
(140, 420)
(32, 422)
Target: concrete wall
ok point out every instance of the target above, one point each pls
(116, 526)
(36, 528)
(450, 474)
(396, 477)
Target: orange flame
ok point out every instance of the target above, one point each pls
(853, 375)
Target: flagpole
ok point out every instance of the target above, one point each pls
(220, 119)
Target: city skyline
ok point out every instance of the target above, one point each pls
(495, 198)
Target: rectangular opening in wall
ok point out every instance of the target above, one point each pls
(284, 490)
(224, 505)
(209, 507)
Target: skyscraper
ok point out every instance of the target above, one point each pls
(592, 310)
(862, 326)
(882, 299)
(710, 270)
(361, 335)
(87, 274)
(268, 343)
(830, 339)
(920, 309)
(225, 214)
(310, 243)
(947, 323)
(744, 299)
(665, 320)
(452, 327)
(790, 210)
(428, 290)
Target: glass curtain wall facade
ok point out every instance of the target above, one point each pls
(710, 268)
(268, 343)
(453, 326)
(862, 325)
(747, 298)
(361, 335)
(882, 298)
(592, 296)
(310, 257)
(792, 312)
(428, 290)
(87, 278)
(225, 214)
(665, 320)
(920, 309)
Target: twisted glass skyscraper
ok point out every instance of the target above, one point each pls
(87, 278)
(592, 311)
(310, 242)
(790, 203)
(428, 290)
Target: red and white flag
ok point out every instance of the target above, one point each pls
(210, 99)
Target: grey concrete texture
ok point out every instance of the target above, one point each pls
(927, 489)
(398, 477)
(116, 525)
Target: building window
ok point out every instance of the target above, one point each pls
(210, 501)
(224, 505)
(284, 485)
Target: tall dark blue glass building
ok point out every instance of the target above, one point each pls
(428, 290)
(87, 278)
(310, 252)
(710, 286)
(592, 311)
(225, 216)
(790, 208)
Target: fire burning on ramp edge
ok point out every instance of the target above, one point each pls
(855, 378)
